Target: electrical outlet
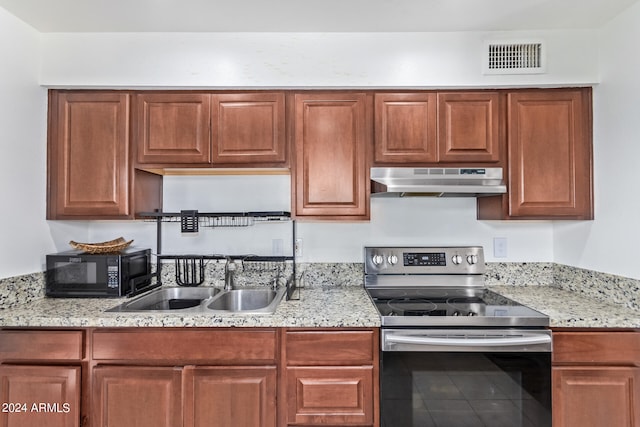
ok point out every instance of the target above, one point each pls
(298, 250)
(277, 247)
(500, 247)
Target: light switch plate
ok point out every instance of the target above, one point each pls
(500, 247)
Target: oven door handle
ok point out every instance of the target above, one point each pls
(470, 342)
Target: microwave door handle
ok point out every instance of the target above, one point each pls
(470, 342)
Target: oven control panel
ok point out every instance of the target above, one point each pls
(425, 259)
(431, 260)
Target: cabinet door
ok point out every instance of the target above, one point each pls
(333, 395)
(248, 128)
(88, 155)
(331, 173)
(230, 396)
(468, 127)
(137, 396)
(596, 396)
(550, 166)
(36, 396)
(173, 128)
(405, 128)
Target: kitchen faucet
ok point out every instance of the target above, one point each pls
(229, 274)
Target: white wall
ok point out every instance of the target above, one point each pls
(610, 243)
(221, 60)
(407, 221)
(24, 234)
(249, 60)
(302, 59)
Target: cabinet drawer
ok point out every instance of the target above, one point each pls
(600, 348)
(228, 346)
(330, 348)
(330, 395)
(40, 345)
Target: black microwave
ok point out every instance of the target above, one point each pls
(78, 274)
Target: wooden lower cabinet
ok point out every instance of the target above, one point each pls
(39, 396)
(596, 396)
(331, 377)
(194, 396)
(596, 379)
(222, 396)
(41, 378)
(190, 377)
(126, 396)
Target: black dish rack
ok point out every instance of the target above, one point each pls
(190, 269)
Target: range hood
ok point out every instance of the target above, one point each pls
(436, 182)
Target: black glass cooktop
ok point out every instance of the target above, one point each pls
(451, 307)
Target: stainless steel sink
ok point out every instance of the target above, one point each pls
(247, 301)
(204, 300)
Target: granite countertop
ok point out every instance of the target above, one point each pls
(327, 306)
(571, 309)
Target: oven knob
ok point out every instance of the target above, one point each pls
(392, 259)
(471, 313)
(456, 259)
(472, 259)
(377, 259)
(456, 313)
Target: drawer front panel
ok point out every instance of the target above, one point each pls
(602, 348)
(330, 348)
(218, 346)
(330, 395)
(41, 345)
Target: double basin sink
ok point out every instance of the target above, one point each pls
(205, 300)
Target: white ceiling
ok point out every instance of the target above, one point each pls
(312, 15)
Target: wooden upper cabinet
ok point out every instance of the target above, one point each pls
(173, 128)
(248, 128)
(204, 129)
(468, 127)
(405, 128)
(88, 159)
(331, 175)
(550, 154)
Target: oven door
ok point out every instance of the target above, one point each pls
(498, 378)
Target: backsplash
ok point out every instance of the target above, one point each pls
(520, 274)
(21, 289)
(254, 274)
(601, 286)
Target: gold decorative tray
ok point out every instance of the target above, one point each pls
(115, 245)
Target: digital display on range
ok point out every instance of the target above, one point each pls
(425, 259)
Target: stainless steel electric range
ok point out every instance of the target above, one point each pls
(454, 352)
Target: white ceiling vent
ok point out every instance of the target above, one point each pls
(522, 57)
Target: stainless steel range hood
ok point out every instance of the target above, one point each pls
(436, 182)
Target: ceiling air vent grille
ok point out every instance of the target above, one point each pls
(514, 58)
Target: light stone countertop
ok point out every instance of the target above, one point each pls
(330, 304)
(571, 309)
(336, 306)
